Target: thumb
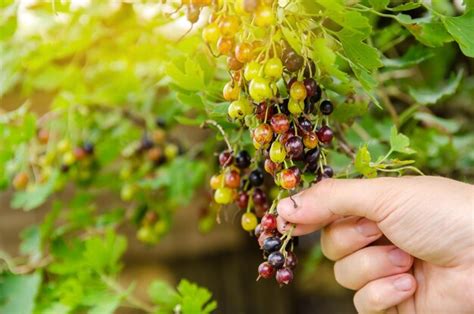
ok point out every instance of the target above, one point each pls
(331, 198)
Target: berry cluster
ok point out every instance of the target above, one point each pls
(238, 182)
(273, 92)
(76, 160)
(143, 159)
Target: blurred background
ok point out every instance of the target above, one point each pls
(117, 54)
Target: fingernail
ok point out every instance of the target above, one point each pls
(399, 258)
(367, 227)
(404, 283)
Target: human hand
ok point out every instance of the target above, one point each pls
(428, 266)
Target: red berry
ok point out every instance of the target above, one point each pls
(259, 197)
(325, 135)
(269, 222)
(242, 200)
(232, 179)
(311, 87)
(291, 260)
(271, 167)
(225, 158)
(265, 270)
(280, 123)
(284, 276)
(263, 134)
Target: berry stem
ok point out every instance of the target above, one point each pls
(221, 130)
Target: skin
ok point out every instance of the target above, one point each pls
(406, 245)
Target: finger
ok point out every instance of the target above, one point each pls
(347, 235)
(356, 270)
(329, 197)
(300, 229)
(382, 294)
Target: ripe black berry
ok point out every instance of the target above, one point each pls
(276, 259)
(160, 122)
(271, 244)
(328, 171)
(146, 143)
(312, 156)
(326, 107)
(242, 160)
(305, 125)
(88, 148)
(294, 147)
(256, 177)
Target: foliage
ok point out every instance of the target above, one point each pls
(400, 74)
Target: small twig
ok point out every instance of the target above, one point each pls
(130, 298)
(221, 130)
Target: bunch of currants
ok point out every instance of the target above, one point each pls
(274, 94)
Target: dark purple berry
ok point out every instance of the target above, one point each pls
(242, 160)
(259, 197)
(326, 107)
(160, 122)
(294, 147)
(276, 259)
(256, 177)
(311, 87)
(312, 156)
(305, 125)
(271, 244)
(328, 171)
(146, 143)
(88, 148)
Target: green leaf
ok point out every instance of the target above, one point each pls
(347, 111)
(164, 295)
(406, 6)
(462, 30)
(430, 120)
(18, 293)
(190, 77)
(292, 39)
(36, 196)
(102, 253)
(428, 31)
(31, 241)
(325, 58)
(379, 5)
(362, 163)
(399, 142)
(195, 299)
(360, 53)
(415, 55)
(426, 95)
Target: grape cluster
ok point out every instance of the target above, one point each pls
(274, 94)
